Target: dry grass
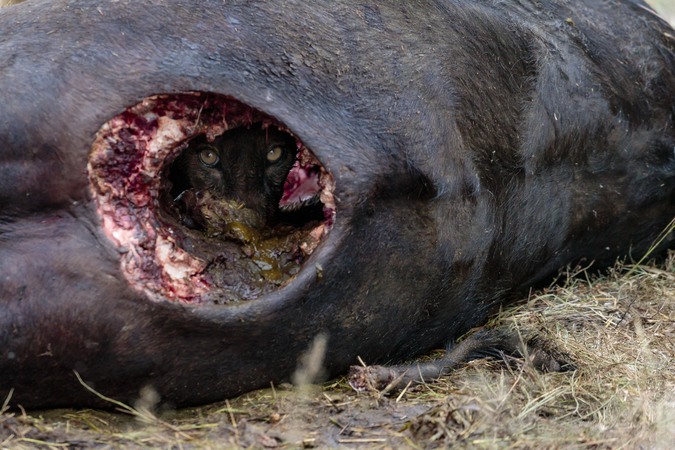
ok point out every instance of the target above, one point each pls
(619, 330)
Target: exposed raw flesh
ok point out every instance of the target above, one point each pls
(232, 259)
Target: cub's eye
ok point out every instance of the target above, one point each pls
(208, 157)
(275, 154)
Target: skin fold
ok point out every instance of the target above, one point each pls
(476, 148)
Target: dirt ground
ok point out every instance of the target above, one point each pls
(618, 329)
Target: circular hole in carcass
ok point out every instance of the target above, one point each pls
(207, 199)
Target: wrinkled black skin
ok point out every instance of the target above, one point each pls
(243, 171)
(476, 148)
